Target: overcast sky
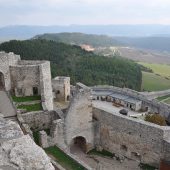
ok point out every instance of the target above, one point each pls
(65, 12)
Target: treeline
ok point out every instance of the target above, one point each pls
(80, 65)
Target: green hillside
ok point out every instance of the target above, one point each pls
(153, 82)
(80, 38)
(80, 65)
(160, 69)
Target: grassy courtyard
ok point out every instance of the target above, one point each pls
(26, 98)
(30, 108)
(64, 160)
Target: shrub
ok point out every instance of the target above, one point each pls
(156, 119)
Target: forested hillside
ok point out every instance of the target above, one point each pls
(80, 65)
(80, 38)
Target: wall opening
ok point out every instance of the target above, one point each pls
(68, 98)
(78, 145)
(35, 91)
(58, 92)
(2, 81)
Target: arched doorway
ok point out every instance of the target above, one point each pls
(2, 81)
(78, 145)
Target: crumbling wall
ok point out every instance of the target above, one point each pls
(24, 78)
(166, 150)
(40, 120)
(132, 138)
(61, 88)
(18, 151)
(46, 87)
(7, 60)
(78, 120)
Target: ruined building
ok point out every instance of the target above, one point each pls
(84, 122)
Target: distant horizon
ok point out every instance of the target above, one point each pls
(65, 25)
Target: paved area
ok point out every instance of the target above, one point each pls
(107, 106)
(61, 105)
(104, 163)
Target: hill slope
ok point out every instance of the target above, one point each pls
(86, 67)
(151, 43)
(80, 38)
(25, 31)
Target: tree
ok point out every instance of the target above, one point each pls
(156, 119)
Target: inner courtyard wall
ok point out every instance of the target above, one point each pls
(129, 137)
(24, 78)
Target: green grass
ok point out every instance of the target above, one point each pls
(167, 101)
(30, 108)
(26, 98)
(163, 97)
(161, 69)
(36, 137)
(152, 82)
(101, 153)
(65, 161)
(147, 167)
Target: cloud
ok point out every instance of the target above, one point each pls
(57, 12)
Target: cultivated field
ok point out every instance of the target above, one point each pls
(160, 69)
(141, 55)
(158, 80)
(153, 82)
(165, 99)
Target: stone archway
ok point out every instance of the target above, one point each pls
(2, 81)
(78, 145)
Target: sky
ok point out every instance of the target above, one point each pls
(84, 12)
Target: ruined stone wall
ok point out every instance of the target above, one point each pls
(61, 88)
(78, 121)
(19, 151)
(46, 86)
(7, 60)
(133, 138)
(40, 120)
(24, 78)
(166, 150)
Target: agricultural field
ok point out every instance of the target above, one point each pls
(153, 82)
(165, 99)
(158, 80)
(160, 69)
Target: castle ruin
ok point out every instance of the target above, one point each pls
(86, 123)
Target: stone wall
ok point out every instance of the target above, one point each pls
(166, 149)
(78, 120)
(61, 88)
(152, 105)
(24, 78)
(132, 138)
(18, 151)
(40, 120)
(7, 60)
(46, 86)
